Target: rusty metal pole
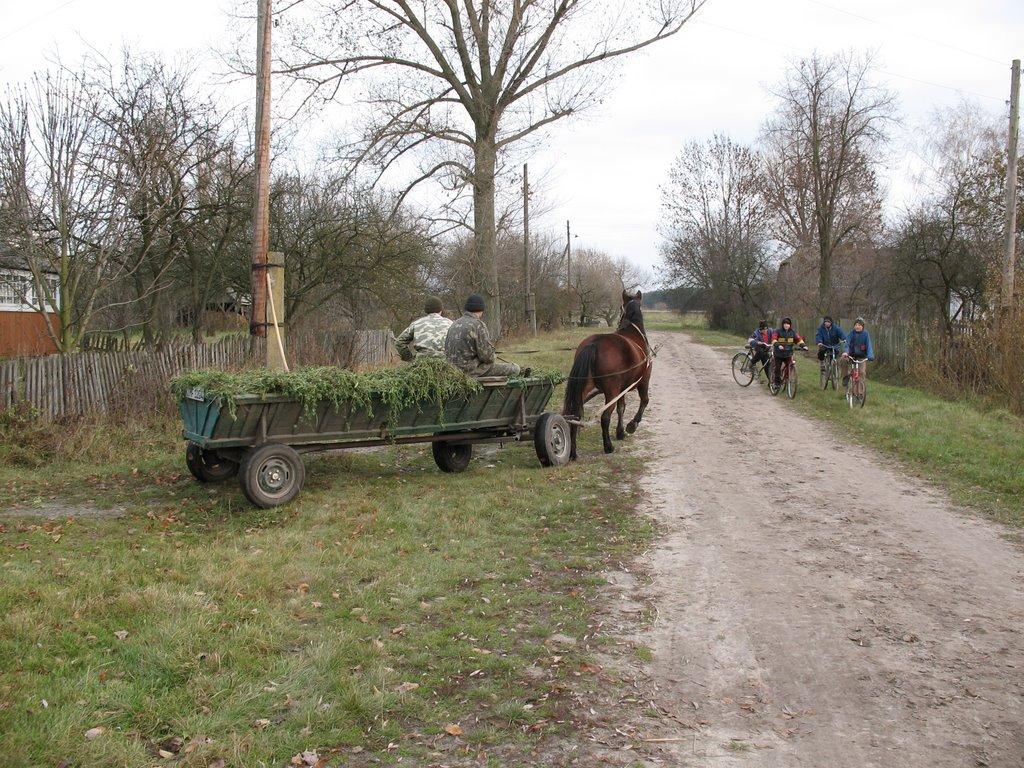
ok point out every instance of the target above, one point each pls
(261, 208)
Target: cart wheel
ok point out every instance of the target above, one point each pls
(451, 457)
(551, 439)
(272, 475)
(207, 467)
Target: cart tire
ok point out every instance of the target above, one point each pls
(451, 457)
(272, 475)
(551, 439)
(207, 467)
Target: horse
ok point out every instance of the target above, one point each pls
(611, 364)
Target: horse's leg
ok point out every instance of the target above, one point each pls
(641, 389)
(620, 410)
(606, 420)
(573, 429)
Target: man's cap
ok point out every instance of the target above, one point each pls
(475, 303)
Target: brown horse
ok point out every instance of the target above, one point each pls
(609, 364)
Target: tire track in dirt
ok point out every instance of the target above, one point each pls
(816, 607)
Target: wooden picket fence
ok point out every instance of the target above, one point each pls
(125, 381)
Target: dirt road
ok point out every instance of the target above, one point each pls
(815, 606)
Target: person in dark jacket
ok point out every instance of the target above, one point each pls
(760, 342)
(828, 335)
(784, 338)
(468, 344)
(859, 347)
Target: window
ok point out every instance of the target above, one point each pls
(17, 290)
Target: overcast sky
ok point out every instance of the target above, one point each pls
(603, 170)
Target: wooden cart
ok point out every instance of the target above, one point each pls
(260, 439)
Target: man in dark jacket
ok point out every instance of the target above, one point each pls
(760, 343)
(468, 344)
(829, 335)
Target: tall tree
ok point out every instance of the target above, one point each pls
(63, 186)
(821, 150)
(717, 224)
(467, 80)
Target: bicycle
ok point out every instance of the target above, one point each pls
(856, 385)
(788, 380)
(830, 367)
(745, 368)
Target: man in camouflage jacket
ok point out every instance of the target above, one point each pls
(468, 344)
(425, 336)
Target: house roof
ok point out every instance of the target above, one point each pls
(12, 259)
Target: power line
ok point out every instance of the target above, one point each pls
(781, 44)
(903, 31)
(38, 18)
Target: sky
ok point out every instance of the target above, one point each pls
(602, 171)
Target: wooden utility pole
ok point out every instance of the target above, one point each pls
(261, 209)
(568, 267)
(1010, 199)
(531, 306)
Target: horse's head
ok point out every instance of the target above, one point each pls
(628, 297)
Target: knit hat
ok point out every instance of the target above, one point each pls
(475, 303)
(826, 319)
(861, 321)
(432, 305)
(786, 320)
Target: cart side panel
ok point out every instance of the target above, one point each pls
(199, 418)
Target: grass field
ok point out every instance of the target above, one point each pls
(975, 452)
(391, 612)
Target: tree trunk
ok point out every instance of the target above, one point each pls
(824, 275)
(485, 231)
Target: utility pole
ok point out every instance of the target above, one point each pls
(531, 307)
(261, 209)
(568, 267)
(1010, 200)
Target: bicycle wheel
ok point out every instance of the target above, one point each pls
(791, 383)
(742, 370)
(824, 375)
(861, 395)
(833, 374)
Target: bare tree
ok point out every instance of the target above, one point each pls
(470, 79)
(62, 186)
(717, 224)
(821, 149)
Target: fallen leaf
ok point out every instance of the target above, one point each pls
(317, 604)
(303, 587)
(453, 730)
(406, 687)
(96, 732)
(262, 723)
(165, 753)
(121, 634)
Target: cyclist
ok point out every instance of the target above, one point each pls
(829, 335)
(784, 338)
(858, 346)
(760, 342)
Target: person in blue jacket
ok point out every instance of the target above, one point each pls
(828, 335)
(858, 346)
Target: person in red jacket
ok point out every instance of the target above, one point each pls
(784, 338)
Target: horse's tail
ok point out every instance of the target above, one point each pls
(582, 370)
